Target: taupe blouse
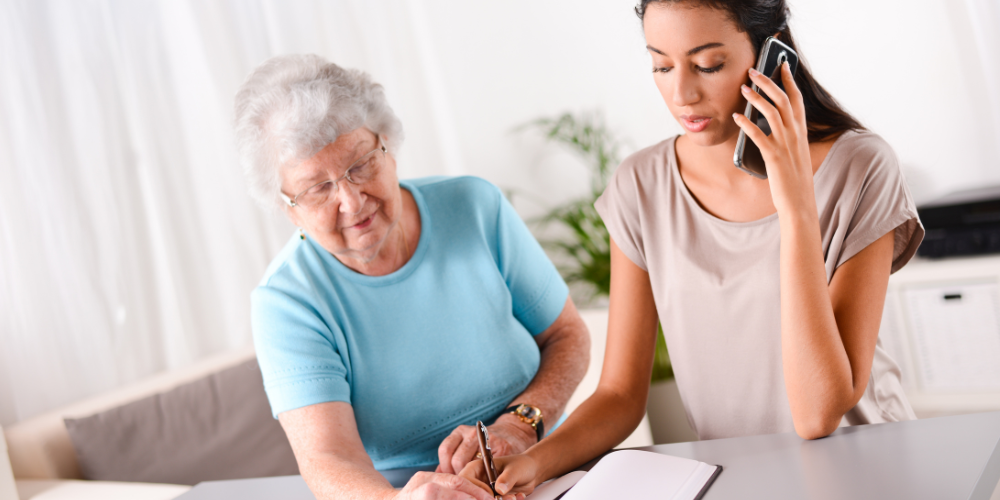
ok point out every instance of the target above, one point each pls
(716, 283)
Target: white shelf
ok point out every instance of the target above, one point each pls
(948, 348)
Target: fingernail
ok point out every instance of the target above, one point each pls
(501, 488)
(754, 72)
(745, 89)
(735, 115)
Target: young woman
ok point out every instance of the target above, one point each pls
(770, 292)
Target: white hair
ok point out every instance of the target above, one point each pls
(290, 107)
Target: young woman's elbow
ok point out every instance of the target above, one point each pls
(816, 426)
(630, 407)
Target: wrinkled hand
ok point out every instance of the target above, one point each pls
(518, 475)
(786, 150)
(434, 486)
(508, 435)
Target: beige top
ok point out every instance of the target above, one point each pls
(716, 283)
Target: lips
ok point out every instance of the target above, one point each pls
(365, 223)
(695, 123)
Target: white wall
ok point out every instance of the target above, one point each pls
(461, 75)
(909, 71)
(903, 68)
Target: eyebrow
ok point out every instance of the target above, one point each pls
(690, 52)
(306, 180)
(356, 152)
(362, 147)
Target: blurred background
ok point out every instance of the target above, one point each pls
(128, 244)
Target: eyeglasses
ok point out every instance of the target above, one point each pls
(360, 172)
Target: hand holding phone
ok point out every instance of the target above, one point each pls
(772, 55)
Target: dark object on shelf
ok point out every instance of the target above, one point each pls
(962, 223)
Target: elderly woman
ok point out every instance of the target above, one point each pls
(401, 312)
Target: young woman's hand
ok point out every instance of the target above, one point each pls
(786, 150)
(518, 475)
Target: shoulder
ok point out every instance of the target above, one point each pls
(292, 277)
(864, 152)
(861, 161)
(641, 174)
(457, 194)
(287, 258)
(463, 186)
(649, 160)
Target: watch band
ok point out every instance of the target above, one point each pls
(537, 424)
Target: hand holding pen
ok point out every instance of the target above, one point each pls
(484, 468)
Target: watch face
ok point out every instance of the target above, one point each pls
(528, 412)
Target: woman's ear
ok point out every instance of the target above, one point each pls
(292, 214)
(391, 160)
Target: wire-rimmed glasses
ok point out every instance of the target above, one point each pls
(360, 172)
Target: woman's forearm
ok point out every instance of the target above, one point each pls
(605, 419)
(609, 415)
(330, 454)
(818, 375)
(330, 477)
(565, 355)
(563, 365)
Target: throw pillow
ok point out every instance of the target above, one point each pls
(218, 427)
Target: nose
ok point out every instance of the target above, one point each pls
(685, 88)
(351, 199)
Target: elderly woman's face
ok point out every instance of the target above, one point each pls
(356, 220)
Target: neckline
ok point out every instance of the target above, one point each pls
(401, 273)
(689, 197)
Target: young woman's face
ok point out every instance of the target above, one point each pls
(700, 60)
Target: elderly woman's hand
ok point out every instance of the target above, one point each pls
(508, 436)
(434, 486)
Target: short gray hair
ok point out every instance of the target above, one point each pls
(292, 106)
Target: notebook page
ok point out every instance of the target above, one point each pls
(550, 490)
(637, 474)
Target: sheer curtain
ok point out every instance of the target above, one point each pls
(128, 244)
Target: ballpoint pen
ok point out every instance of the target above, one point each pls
(484, 450)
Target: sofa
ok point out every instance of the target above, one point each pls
(45, 462)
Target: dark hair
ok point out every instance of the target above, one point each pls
(760, 19)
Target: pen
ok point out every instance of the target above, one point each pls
(484, 450)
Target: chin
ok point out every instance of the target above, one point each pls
(368, 245)
(704, 139)
(367, 252)
(712, 136)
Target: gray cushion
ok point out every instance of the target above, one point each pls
(218, 427)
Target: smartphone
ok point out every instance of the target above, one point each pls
(772, 55)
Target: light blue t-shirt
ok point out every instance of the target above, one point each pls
(445, 340)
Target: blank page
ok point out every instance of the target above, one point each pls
(553, 490)
(642, 474)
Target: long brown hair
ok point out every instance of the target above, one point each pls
(759, 19)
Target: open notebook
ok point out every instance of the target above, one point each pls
(633, 474)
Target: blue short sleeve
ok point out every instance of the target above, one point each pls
(538, 291)
(405, 349)
(297, 353)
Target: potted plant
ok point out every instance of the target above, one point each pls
(583, 253)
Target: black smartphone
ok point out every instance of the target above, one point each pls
(772, 55)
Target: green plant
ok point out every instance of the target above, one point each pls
(585, 254)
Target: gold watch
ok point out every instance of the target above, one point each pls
(530, 415)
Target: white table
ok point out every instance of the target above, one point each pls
(942, 458)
